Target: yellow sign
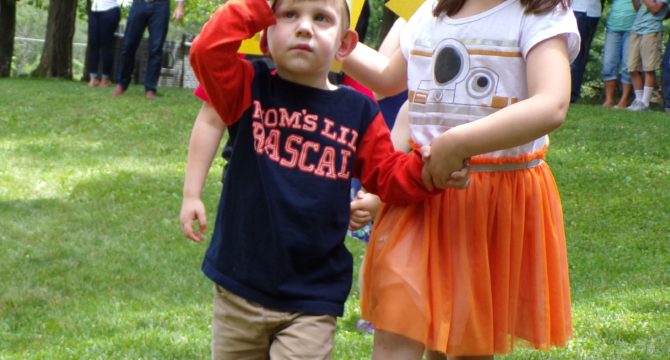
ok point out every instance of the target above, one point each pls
(251, 46)
(404, 8)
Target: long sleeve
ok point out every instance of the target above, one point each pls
(225, 77)
(393, 175)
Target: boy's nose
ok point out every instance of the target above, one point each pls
(304, 26)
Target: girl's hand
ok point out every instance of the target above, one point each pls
(363, 209)
(443, 166)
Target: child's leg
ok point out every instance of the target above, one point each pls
(239, 328)
(648, 89)
(651, 61)
(303, 336)
(634, 63)
(390, 346)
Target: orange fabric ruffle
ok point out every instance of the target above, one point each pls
(474, 271)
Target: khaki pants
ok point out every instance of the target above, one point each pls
(644, 52)
(245, 330)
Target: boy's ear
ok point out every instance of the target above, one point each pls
(347, 45)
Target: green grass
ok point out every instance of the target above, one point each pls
(93, 265)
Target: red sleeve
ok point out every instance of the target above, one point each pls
(349, 81)
(394, 176)
(225, 77)
(201, 93)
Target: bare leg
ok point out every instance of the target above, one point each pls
(625, 95)
(610, 91)
(390, 346)
(636, 78)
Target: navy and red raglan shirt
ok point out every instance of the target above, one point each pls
(284, 208)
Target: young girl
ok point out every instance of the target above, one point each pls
(475, 272)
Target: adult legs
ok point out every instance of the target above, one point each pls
(158, 27)
(93, 47)
(137, 21)
(610, 93)
(587, 28)
(610, 65)
(109, 21)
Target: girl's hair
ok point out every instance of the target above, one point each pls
(451, 7)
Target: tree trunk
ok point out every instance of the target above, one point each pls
(57, 52)
(7, 29)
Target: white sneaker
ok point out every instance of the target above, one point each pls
(637, 106)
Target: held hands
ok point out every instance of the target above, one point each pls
(443, 167)
(193, 209)
(363, 209)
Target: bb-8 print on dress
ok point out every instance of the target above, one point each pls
(461, 78)
(456, 82)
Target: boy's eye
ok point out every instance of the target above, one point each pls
(320, 18)
(290, 14)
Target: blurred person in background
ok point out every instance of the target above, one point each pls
(103, 20)
(615, 53)
(154, 15)
(587, 13)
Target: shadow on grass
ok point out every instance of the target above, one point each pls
(106, 267)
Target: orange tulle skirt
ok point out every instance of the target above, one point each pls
(475, 271)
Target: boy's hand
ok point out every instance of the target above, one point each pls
(363, 209)
(193, 209)
(459, 179)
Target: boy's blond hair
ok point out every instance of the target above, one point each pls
(345, 11)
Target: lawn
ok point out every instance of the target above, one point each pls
(93, 265)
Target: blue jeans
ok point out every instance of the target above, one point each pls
(101, 27)
(587, 29)
(615, 56)
(665, 75)
(155, 15)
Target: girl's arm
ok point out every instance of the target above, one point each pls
(383, 75)
(543, 111)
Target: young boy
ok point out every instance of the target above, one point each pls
(277, 255)
(644, 50)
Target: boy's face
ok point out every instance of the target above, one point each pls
(308, 35)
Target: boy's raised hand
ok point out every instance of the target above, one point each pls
(193, 209)
(459, 178)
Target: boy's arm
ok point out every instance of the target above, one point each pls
(225, 77)
(205, 139)
(394, 176)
